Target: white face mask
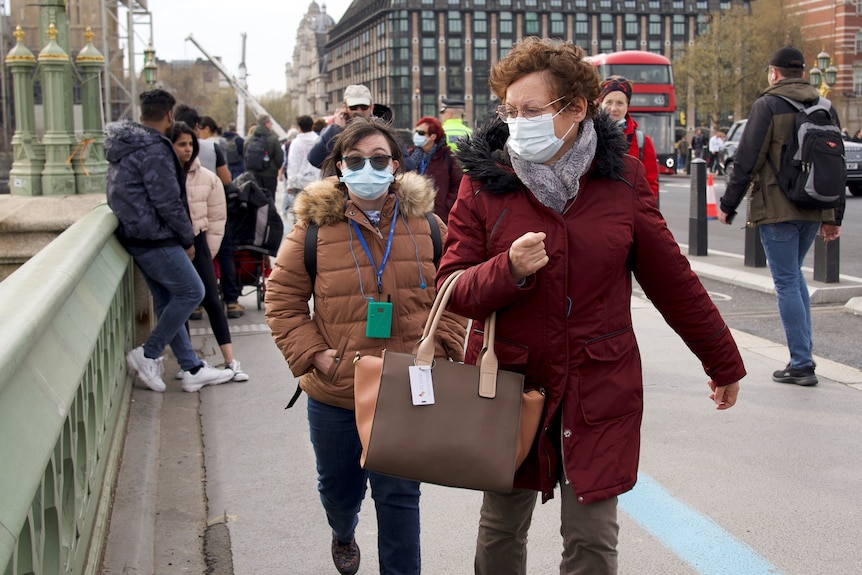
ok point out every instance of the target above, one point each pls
(535, 139)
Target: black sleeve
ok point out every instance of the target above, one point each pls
(220, 161)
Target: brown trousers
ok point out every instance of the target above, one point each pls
(589, 534)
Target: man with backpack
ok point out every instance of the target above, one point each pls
(233, 145)
(264, 155)
(789, 220)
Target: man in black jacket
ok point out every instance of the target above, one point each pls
(786, 230)
(146, 191)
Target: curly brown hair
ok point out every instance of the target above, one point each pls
(568, 73)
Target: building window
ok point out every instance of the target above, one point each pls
(454, 2)
(429, 71)
(346, 48)
(506, 23)
(724, 4)
(678, 26)
(606, 45)
(654, 5)
(702, 24)
(654, 26)
(505, 45)
(857, 82)
(631, 24)
(702, 5)
(381, 29)
(504, 2)
(530, 3)
(480, 22)
(455, 22)
(606, 24)
(478, 2)
(556, 3)
(558, 25)
(480, 49)
(630, 5)
(580, 3)
(604, 3)
(381, 58)
(678, 5)
(456, 53)
(582, 25)
(859, 42)
(355, 43)
(531, 24)
(429, 23)
(429, 49)
(366, 37)
(455, 79)
(426, 2)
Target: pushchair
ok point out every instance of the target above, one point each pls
(256, 229)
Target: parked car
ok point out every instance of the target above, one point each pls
(853, 157)
(728, 149)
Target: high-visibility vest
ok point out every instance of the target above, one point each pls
(455, 128)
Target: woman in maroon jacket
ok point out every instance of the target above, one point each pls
(553, 219)
(434, 159)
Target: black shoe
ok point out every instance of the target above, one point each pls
(198, 313)
(804, 376)
(345, 556)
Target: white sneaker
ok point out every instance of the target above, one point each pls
(206, 375)
(179, 375)
(149, 370)
(238, 373)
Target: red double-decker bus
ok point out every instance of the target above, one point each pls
(653, 104)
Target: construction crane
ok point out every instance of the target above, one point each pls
(240, 88)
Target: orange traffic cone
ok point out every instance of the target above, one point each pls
(711, 211)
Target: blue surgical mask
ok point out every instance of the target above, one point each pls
(367, 183)
(535, 139)
(418, 140)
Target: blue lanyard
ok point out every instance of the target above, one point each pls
(364, 245)
(423, 165)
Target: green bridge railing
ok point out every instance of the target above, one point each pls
(66, 319)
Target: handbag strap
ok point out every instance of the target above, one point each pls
(488, 363)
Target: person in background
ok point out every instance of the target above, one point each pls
(452, 118)
(212, 158)
(357, 104)
(319, 125)
(282, 171)
(208, 212)
(615, 99)
(787, 231)
(300, 172)
(267, 178)
(376, 243)
(857, 137)
(553, 220)
(233, 151)
(682, 155)
(146, 190)
(699, 146)
(715, 142)
(433, 158)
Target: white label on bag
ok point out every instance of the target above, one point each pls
(421, 386)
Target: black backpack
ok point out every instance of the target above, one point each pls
(813, 172)
(256, 154)
(231, 151)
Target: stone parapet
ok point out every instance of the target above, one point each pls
(29, 223)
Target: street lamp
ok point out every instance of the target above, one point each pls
(824, 75)
(151, 70)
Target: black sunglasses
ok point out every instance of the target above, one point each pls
(363, 107)
(421, 132)
(379, 162)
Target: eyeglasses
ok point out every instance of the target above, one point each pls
(421, 132)
(532, 113)
(363, 107)
(379, 162)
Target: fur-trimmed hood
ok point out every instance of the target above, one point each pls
(485, 157)
(322, 203)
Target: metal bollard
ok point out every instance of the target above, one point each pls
(697, 243)
(755, 257)
(826, 261)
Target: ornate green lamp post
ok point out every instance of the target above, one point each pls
(824, 75)
(89, 155)
(151, 69)
(58, 178)
(25, 177)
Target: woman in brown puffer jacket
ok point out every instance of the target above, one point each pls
(374, 243)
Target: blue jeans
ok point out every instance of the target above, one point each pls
(342, 483)
(786, 244)
(177, 290)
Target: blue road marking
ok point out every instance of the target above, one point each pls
(695, 538)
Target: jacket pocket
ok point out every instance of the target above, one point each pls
(610, 384)
(333, 374)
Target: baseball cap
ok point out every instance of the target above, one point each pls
(787, 57)
(357, 95)
(451, 103)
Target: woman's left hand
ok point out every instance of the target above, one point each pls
(724, 396)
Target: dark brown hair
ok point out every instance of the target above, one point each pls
(569, 75)
(358, 129)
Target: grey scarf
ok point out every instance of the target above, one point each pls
(554, 185)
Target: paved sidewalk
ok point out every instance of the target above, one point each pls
(255, 462)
